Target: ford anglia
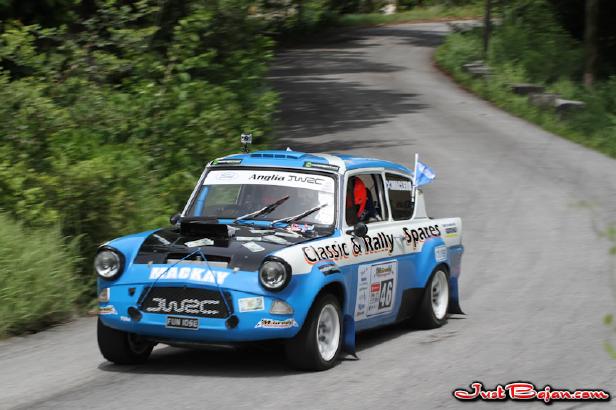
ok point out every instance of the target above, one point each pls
(306, 249)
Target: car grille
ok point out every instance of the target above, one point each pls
(186, 301)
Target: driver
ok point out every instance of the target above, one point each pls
(356, 201)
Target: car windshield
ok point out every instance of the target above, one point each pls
(231, 194)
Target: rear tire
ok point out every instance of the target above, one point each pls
(121, 347)
(435, 302)
(317, 345)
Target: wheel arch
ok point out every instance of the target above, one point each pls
(440, 265)
(337, 289)
(454, 299)
(443, 265)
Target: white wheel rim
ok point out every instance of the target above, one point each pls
(328, 332)
(439, 292)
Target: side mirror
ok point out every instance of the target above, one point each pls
(175, 219)
(360, 229)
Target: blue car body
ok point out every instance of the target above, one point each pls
(379, 278)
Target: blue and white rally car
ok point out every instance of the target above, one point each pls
(303, 248)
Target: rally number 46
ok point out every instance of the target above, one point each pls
(386, 296)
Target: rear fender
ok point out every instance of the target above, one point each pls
(433, 255)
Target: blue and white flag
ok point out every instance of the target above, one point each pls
(424, 175)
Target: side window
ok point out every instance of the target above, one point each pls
(400, 198)
(364, 199)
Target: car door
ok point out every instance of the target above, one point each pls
(375, 290)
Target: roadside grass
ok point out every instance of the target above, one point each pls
(38, 285)
(593, 127)
(436, 12)
(608, 320)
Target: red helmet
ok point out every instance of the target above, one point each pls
(360, 195)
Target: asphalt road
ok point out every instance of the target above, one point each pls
(536, 277)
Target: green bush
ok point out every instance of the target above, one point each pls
(459, 49)
(104, 129)
(531, 38)
(594, 127)
(37, 281)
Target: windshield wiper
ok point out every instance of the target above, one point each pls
(263, 211)
(297, 217)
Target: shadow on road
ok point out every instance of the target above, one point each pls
(415, 35)
(316, 100)
(241, 361)
(219, 362)
(315, 106)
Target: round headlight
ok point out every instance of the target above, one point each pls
(274, 275)
(108, 264)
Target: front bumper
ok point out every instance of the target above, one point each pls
(250, 326)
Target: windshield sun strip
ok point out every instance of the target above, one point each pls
(310, 171)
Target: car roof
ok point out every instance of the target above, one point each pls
(294, 159)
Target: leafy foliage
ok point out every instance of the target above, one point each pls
(105, 129)
(431, 12)
(532, 38)
(524, 51)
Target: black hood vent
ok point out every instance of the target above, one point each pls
(238, 246)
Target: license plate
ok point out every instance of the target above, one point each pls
(182, 322)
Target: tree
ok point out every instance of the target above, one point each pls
(590, 41)
(487, 21)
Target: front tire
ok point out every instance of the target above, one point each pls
(121, 347)
(435, 302)
(317, 346)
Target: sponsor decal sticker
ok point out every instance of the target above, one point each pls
(288, 234)
(440, 253)
(226, 161)
(331, 167)
(187, 306)
(248, 238)
(367, 245)
(399, 185)
(276, 239)
(451, 230)
(107, 310)
(124, 318)
(376, 289)
(200, 242)
(334, 251)
(377, 243)
(225, 175)
(261, 231)
(253, 247)
(279, 178)
(415, 236)
(327, 268)
(251, 304)
(276, 324)
(301, 228)
(526, 391)
(186, 273)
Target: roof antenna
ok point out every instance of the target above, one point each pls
(246, 140)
